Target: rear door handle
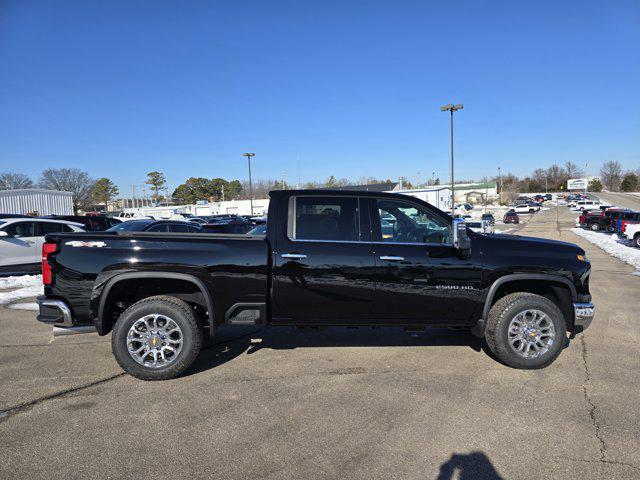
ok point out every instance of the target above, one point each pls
(293, 256)
(392, 258)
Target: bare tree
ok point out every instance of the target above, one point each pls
(572, 170)
(611, 174)
(71, 180)
(14, 181)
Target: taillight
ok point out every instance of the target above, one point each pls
(47, 273)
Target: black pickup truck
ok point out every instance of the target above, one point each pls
(328, 258)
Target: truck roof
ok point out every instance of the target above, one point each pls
(339, 193)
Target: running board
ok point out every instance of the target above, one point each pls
(60, 331)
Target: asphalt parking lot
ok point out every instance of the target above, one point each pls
(338, 403)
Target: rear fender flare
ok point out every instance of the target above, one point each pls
(164, 275)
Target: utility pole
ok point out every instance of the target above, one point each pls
(223, 192)
(133, 196)
(249, 155)
(433, 178)
(452, 108)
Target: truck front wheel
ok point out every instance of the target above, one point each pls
(157, 338)
(525, 330)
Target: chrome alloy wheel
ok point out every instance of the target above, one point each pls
(531, 333)
(154, 341)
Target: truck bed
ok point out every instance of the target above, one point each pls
(233, 267)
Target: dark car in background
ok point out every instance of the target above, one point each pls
(233, 225)
(149, 225)
(92, 223)
(511, 217)
(488, 217)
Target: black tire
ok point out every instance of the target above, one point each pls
(595, 227)
(636, 240)
(500, 316)
(181, 313)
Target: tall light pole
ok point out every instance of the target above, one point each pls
(499, 186)
(452, 108)
(249, 155)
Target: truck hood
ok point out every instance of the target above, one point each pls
(533, 245)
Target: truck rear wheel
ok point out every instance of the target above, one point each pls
(525, 330)
(595, 227)
(157, 338)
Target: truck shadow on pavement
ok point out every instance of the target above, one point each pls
(234, 341)
(469, 466)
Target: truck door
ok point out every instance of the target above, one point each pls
(420, 277)
(323, 267)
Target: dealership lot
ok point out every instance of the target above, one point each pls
(338, 403)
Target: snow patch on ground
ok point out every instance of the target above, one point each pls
(614, 246)
(20, 287)
(20, 281)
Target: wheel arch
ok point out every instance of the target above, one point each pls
(534, 283)
(104, 326)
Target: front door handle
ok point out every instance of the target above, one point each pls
(293, 256)
(391, 258)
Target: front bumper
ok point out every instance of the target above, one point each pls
(54, 312)
(583, 314)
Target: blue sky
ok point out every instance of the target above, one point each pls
(345, 88)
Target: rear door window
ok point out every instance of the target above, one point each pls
(325, 218)
(49, 227)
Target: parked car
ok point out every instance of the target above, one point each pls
(233, 225)
(21, 241)
(488, 217)
(91, 223)
(480, 227)
(587, 205)
(591, 219)
(511, 217)
(609, 218)
(625, 219)
(548, 196)
(128, 216)
(317, 268)
(148, 225)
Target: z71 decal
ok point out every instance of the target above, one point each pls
(79, 243)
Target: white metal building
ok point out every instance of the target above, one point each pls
(438, 195)
(36, 201)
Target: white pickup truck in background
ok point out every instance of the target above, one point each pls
(525, 208)
(632, 232)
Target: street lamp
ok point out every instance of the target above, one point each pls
(249, 155)
(452, 108)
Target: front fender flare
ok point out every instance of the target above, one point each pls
(524, 276)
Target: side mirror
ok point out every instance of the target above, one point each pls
(460, 238)
(3, 234)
